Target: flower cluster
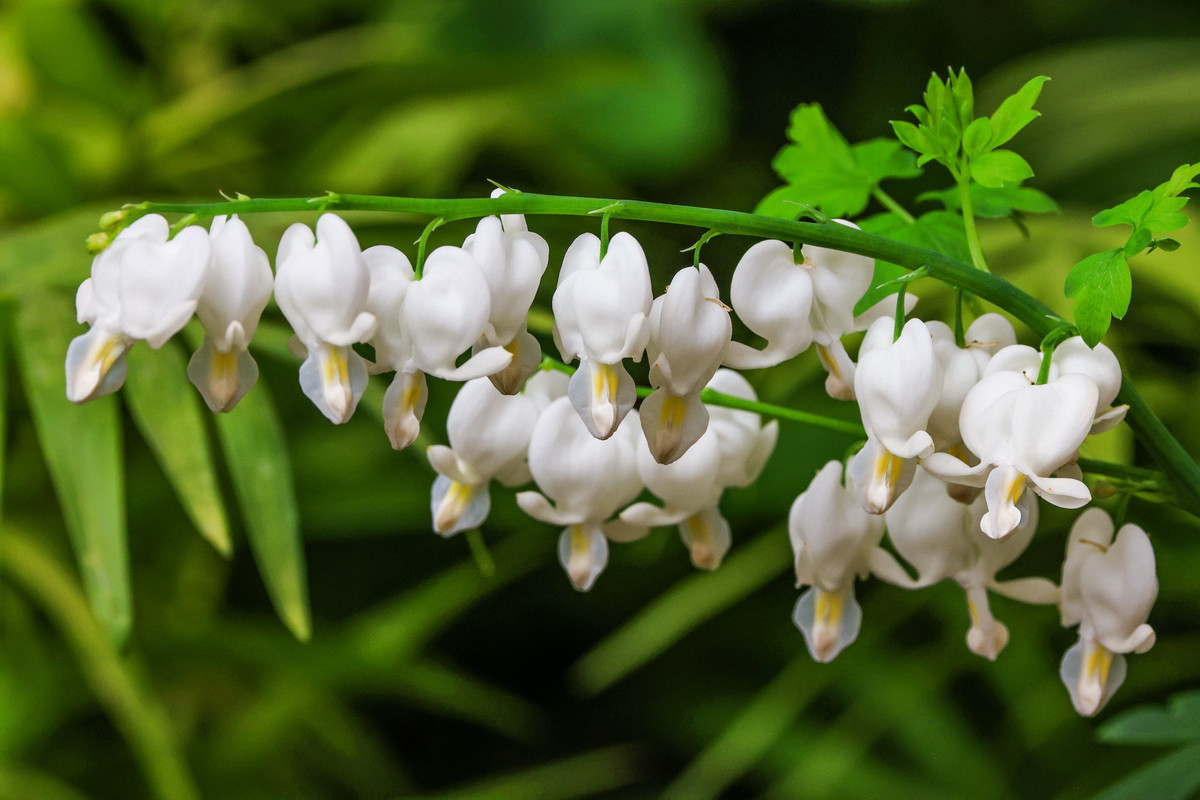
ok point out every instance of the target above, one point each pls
(963, 433)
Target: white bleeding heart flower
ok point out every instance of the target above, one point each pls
(445, 312)
(236, 291)
(731, 452)
(832, 540)
(1108, 590)
(391, 274)
(321, 285)
(601, 310)
(489, 437)
(941, 538)
(898, 385)
(143, 286)
(1021, 434)
(513, 261)
(689, 330)
(584, 481)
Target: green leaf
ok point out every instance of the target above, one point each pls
(1101, 286)
(1131, 212)
(1139, 240)
(1180, 181)
(996, 202)
(1169, 245)
(879, 159)
(1177, 723)
(976, 137)
(82, 446)
(1016, 111)
(167, 412)
(914, 138)
(258, 464)
(1173, 777)
(1000, 167)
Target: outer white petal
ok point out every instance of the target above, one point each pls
(897, 387)
(322, 285)
(831, 535)
(1050, 422)
(238, 286)
(587, 477)
(513, 262)
(689, 330)
(95, 364)
(690, 483)
(446, 312)
(1118, 588)
(773, 296)
(1100, 364)
(1092, 532)
(160, 284)
(391, 273)
(839, 279)
(487, 429)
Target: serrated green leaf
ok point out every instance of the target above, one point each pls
(166, 410)
(976, 137)
(82, 447)
(811, 130)
(879, 159)
(1173, 777)
(262, 479)
(1016, 111)
(1000, 167)
(995, 203)
(1139, 240)
(1177, 723)
(964, 97)
(1101, 286)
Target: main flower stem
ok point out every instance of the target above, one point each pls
(1181, 469)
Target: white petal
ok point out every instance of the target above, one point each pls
(458, 506)
(403, 407)
(583, 553)
(95, 364)
(334, 378)
(602, 395)
(223, 378)
(672, 424)
(830, 621)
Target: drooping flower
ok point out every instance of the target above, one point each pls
(445, 312)
(489, 438)
(1108, 589)
(236, 291)
(689, 329)
(1022, 434)
(404, 402)
(142, 286)
(793, 305)
(898, 384)
(584, 481)
(601, 309)
(731, 452)
(941, 538)
(321, 285)
(513, 261)
(832, 539)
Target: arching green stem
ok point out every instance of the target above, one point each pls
(1181, 469)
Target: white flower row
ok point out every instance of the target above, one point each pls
(943, 422)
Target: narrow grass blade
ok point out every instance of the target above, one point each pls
(262, 478)
(167, 411)
(82, 446)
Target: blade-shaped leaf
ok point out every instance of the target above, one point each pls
(1172, 777)
(167, 412)
(1016, 111)
(262, 478)
(1179, 722)
(82, 446)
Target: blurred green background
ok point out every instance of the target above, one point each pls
(424, 677)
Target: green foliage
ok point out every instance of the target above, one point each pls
(1174, 776)
(995, 202)
(1101, 283)
(824, 171)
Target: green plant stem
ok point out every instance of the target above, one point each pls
(968, 212)
(141, 721)
(1181, 469)
(888, 202)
